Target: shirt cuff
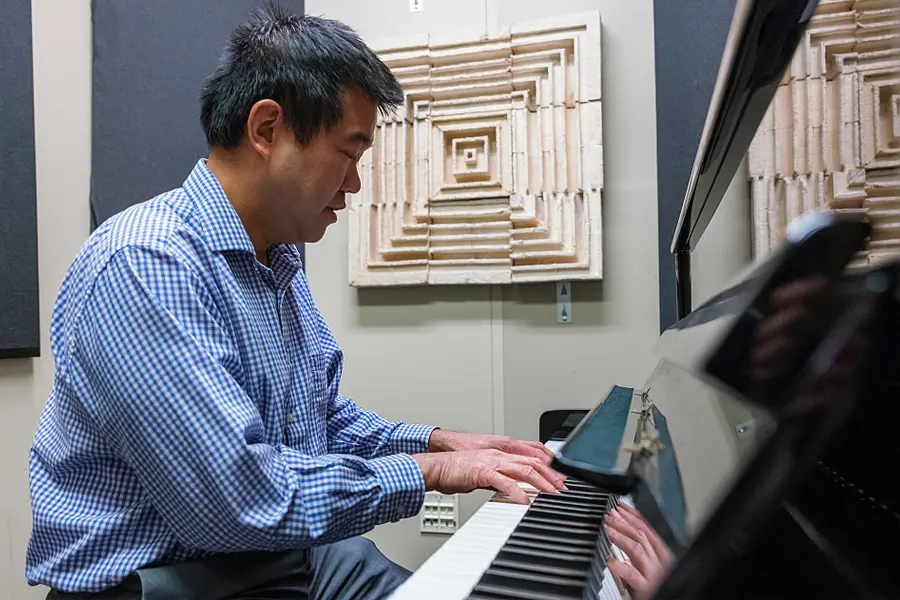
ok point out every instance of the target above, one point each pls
(402, 487)
(411, 439)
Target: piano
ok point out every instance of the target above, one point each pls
(762, 451)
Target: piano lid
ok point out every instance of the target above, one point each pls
(761, 43)
(679, 444)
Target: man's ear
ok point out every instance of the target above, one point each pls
(264, 124)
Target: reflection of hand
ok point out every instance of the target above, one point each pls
(650, 557)
(442, 441)
(789, 312)
(468, 470)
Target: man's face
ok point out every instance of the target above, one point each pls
(306, 185)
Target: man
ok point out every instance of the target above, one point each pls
(195, 443)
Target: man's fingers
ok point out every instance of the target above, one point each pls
(636, 582)
(630, 541)
(633, 516)
(764, 355)
(797, 290)
(638, 548)
(781, 321)
(507, 487)
(530, 475)
(554, 477)
(544, 450)
(531, 449)
(524, 449)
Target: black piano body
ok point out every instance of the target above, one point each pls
(763, 448)
(808, 505)
(767, 474)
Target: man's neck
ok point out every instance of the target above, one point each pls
(242, 192)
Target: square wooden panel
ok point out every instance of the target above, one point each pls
(492, 171)
(830, 138)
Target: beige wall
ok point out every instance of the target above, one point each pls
(468, 358)
(62, 75)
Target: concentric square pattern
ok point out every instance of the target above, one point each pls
(831, 138)
(492, 171)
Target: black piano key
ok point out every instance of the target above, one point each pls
(552, 556)
(575, 570)
(582, 494)
(567, 518)
(557, 531)
(576, 492)
(509, 580)
(544, 537)
(569, 505)
(587, 494)
(574, 574)
(576, 484)
(563, 512)
(493, 592)
(549, 546)
(588, 525)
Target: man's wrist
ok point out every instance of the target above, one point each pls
(426, 466)
(440, 440)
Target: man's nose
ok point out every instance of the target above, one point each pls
(352, 184)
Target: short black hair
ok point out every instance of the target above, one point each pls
(303, 62)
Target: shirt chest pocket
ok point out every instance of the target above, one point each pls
(305, 422)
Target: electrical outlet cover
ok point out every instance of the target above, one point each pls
(440, 513)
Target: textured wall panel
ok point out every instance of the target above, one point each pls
(831, 137)
(492, 171)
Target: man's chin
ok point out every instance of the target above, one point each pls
(311, 237)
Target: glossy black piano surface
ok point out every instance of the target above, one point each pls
(790, 495)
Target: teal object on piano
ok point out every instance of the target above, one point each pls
(601, 450)
(598, 439)
(670, 489)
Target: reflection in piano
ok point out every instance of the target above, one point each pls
(762, 450)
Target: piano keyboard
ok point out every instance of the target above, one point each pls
(553, 548)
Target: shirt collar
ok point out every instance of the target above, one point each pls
(222, 227)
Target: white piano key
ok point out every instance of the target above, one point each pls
(554, 445)
(610, 590)
(452, 571)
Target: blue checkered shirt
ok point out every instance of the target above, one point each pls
(195, 405)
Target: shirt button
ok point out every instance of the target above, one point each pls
(291, 418)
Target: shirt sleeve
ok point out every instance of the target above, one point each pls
(156, 371)
(354, 430)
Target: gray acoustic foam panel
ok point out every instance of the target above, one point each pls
(20, 335)
(150, 59)
(690, 40)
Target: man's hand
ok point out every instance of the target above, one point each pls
(649, 556)
(452, 441)
(791, 313)
(468, 470)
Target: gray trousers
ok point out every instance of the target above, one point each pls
(350, 569)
